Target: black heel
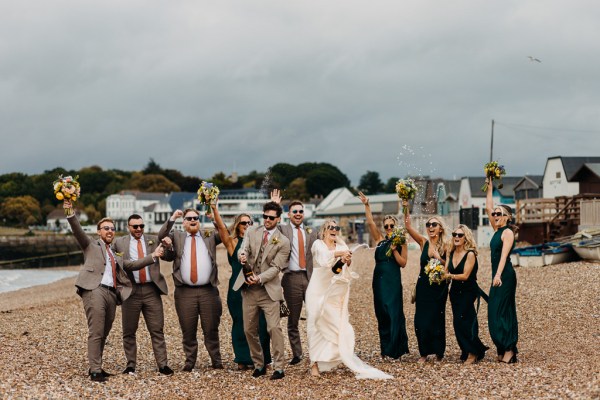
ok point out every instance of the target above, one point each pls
(513, 359)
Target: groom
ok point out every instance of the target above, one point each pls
(264, 252)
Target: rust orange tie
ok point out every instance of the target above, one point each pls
(265, 237)
(193, 262)
(140, 250)
(301, 252)
(113, 264)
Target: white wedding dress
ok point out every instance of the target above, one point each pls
(330, 335)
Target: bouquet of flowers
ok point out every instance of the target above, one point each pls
(397, 238)
(435, 271)
(67, 188)
(406, 190)
(208, 194)
(494, 172)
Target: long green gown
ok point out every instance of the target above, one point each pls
(430, 312)
(389, 309)
(502, 305)
(234, 304)
(464, 315)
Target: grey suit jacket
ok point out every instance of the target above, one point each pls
(121, 245)
(94, 262)
(273, 260)
(211, 240)
(288, 231)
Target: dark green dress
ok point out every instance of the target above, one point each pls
(234, 304)
(430, 312)
(389, 310)
(463, 295)
(502, 305)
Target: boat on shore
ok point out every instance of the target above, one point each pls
(543, 254)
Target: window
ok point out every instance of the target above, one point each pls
(558, 175)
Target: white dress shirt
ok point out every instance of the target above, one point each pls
(107, 277)
(133, 254)
(204, 263)
(294, 264)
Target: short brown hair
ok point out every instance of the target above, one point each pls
(103, 220)
(187, 210)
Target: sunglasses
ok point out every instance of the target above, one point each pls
(108, 228)
(140, 226)
(389, 226)
(458, 235)
(246, 223)
(431, 224)
(269, 217)
(496, 214)
(334, 228)
(298, 211)
(192, 218)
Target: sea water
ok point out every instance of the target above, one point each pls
(15, 279)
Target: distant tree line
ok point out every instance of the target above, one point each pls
(28, 199)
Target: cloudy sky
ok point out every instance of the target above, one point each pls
(398, 87)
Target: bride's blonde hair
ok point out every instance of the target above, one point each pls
(324, 227)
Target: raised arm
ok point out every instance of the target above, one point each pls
(222, 228)
(489, 202)
(80, 236)
(417, 237)
(373, 231)
(168, 225)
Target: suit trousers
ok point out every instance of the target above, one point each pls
(254, 299)
(144, 299)
(294, 284)
(203, 301)
(100, 306)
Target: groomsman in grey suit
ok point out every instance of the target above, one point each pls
(148, 285)
(196, 281)
(264, 252)
(298, 270)
(102, 284)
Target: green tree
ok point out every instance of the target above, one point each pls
(152, 183)
(152, 168)
(296, 190)
(370, 183)
(282, 174)
(21, 211)
(390, 186)
(325, 178)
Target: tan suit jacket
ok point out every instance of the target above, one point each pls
(121, 245)
(94, 256)
(288, 231)
(211, 240)
(273, 260)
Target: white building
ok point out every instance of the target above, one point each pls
(57, 220)
(558, 175)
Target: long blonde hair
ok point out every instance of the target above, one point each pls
(323, 229)
(443, 243)
(470, 244)
(234, 228)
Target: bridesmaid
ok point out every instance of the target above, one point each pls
(387, 286)
(234, 298)
(502, 306)
(430, 310)
(461, 269)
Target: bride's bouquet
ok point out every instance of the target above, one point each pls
(435, 271)
(208, 194)
(397, 238)
(406, 190)
(494, 172)
(67, 188)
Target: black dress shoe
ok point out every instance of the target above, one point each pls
(166, 370)
(218, 366)
(97, 377)
(277, 375)
(188, 368)
(295, 360)
(129, 370)
(103, 372)
(259, 372)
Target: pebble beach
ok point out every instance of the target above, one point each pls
(43, 335)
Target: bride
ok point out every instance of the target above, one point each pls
(330, 335)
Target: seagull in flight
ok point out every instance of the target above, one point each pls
(532, 59)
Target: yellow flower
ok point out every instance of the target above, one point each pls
(275, 240)
(207, 234)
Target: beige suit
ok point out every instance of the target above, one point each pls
(295, 283)
(194, 301)
(99, 302)
(145, 299)
(265, 296)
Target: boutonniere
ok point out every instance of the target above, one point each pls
(275, 240)
(207, 234)
(150, 242)
(119, 254)
(309, 230)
